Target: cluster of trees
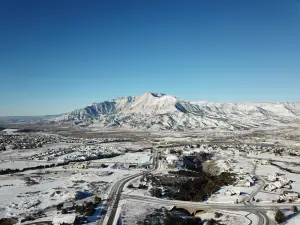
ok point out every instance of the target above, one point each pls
(173, 220)
(9, 171)
(8, 221)
(163, 216)
(87, 209)
(167, 218)
(141, 186)
(196, 162)
(189, 185)
(280, 217)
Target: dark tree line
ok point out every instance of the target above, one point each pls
(189, 185)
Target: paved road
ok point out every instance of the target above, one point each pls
(263, 218)
(258, 210)
(266, 206)
(116, 192)
(262, 184)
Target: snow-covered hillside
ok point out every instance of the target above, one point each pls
(164, 112)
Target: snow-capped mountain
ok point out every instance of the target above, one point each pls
(160, 111)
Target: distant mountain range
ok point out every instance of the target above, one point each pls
(25, 119)
(165, 112)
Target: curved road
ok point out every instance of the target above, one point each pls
(116, 194)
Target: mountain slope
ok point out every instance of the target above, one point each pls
(160, 111)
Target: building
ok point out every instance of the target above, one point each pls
(289, 195)
(231, 192)
(264, 162)
(68, 206)
(171, 159)
(272, 177)
(64, 219)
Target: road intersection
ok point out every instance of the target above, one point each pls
(116, 195)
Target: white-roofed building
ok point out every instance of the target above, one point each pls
(64, 219)
(171, 159)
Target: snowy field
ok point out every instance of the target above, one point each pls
(23, 153)
(269, 156)
(138, 157)
(31, 191)
(230, 217)
(21, 164)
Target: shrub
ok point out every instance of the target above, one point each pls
(130, 186)
(89, 211)
(142, 186)
(212, 222)
(97, 199)
(279, 216)
(8, 221)
(64, 211)
(59, 206)
(218, 214)
(295, 209)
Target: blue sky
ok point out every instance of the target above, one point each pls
(56, 56)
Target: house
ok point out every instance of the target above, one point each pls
(80, 166)
(249, 181)
(187, 152)
(270, 187)
(171, 159)
(230, 192)
(132, 165)
(243, 183)
(64, 219)
(272, 177)
(291, 195)
(264, 162)
(179, 164)
(277, 184)
(68, 206)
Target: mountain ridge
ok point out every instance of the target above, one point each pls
(165, 112)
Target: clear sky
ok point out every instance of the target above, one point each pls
(59, 55)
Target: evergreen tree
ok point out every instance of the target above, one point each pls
(279, 216)
(295, 209)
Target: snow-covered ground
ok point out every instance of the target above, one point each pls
(53, 186)
(138, 157)
(164, 112)
(269, 156)
(230, 217)
(129, 216)
(20, 164)
(138, 214)
(23, 153)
